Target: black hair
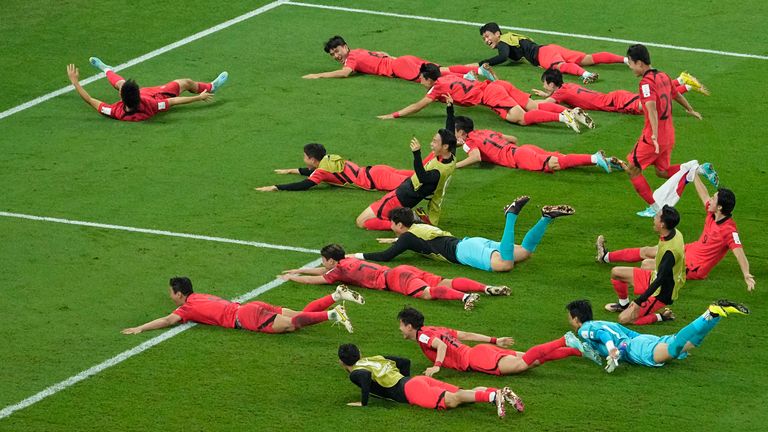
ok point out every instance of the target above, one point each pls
(130, 95)
(181, 284)
(412, 317)
(639, 52)
(463, 123)
(727, 200)
(349, 354)
(580, 309)
(333, 251)
(334, 42)
(448, 138)
(491, 27)
(315, 151)
(403, 215)
(669, 217)
(552, 76)
(430, 71)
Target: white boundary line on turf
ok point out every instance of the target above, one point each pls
(529, 30)
(145, 57)
(156, 232)
(125, 355)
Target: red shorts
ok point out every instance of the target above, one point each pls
(410, 281)
(386, 178)
(385, 205)
(552, 54)
(694, 270)
(641, 280)
(485, 358)
(166, 91)
(258, 316)
(501, 96)
(427, 392)
(407, 67)
(531, 158)
(643, 155)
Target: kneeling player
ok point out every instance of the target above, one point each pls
(389, 377)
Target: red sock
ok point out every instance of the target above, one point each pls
(606, 57)
(484, 395)
(376, 224)
(445, 293)
(459, 69)
(551, 107)
(309, 318)
(625, 255)
(621, 288)
(320, 304)
(672, 170)
(539, 352)
(561, 353)
(643, 188)
(681, 88)
(538, 116)
(113, 78)
(647, 319)
(574, 160)
(204, 87)
(572, 69)
(467, 285)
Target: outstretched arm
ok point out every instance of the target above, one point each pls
(410, 109)
(341, 73)
(473, 157)
(74, 77)
(159, 323)
(477, 337)
(317, 271)
(741, 258)
(679, 98)
(183, 100)
(309, 280)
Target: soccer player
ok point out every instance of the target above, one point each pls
(620, 101)
(382, 64)
(478, 252)
(657, 288)
(254, 316)
(500, 149)
(389, 377)
(138, 104)
(616, 342)
(654, 147)
(444, 347)
(506, 100)
(403, 279)
(720, 235)
(513, 46)
(337, 171)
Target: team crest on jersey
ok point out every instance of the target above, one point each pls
(736, 238)
(423, 338)
(646, 89)
(161, 105)
(106, 110)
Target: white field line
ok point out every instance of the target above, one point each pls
(144, 57)
(157, 232)
(125, 355)
(528, 30)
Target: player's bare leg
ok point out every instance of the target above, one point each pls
(367, 214)
(516, 115)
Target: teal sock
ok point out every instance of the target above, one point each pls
(507, 246)
(693, 333)
(533, 236)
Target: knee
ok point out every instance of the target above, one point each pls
(662, 174)
(503, 266)
(451, 401)
(624, 320)
(360, 221)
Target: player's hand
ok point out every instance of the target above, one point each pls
(205, 96)
(415, 144)
(431, 371)
(73, 73)
(284, 171)
(272, 188)
(695, 114)
(296, 271)
(655, 144)
(448, 99)
(505, 341)
(386, 240)
(286, 276)
(750, 280)
(611, 363)
(311, 76)
(355, 404)
(385, 117)
(541, 93)
(132, 330)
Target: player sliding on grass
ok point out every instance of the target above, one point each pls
(389, 377)
(513, 46)
(477, 252)
(382, 64)
(337, 171)
(620, 101)
(510, 103)
(617, 343)
(254, 316)
(403, 279)
(137, 104)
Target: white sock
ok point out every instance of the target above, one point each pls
(605, 258)
(585, 74)
(624, 302)
(332, 316)
(561, 118)
(659, 318)
(465, 297)
(492, 398)
(335, 296)
(680, 81)
(594, 158)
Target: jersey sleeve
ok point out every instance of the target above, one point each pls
(333, 275)
(183, 312)
(732, 239)
(362, 378)
(107, 110)
(162, 105)
(647, 90)
(437, 91)
(319, 176)
(426, 338)
(351, 61)
(503, 54)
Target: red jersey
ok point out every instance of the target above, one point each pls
(148, 107)
(208, 309)
(369, 62)
(359, 273)
(492, 146)
(656, 86)
(457, 354)
(463, 92)
(339, 172)
(615, 101)
(715, 242)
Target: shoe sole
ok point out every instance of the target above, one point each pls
(740, 308)
(557, 211)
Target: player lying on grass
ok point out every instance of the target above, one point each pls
(510, 103)
(382, 64)
(337, 171)
(657, 288)
(620, 101)
(478, 252)
(389, 377)
(513, 46)
(619, 344)
(500, 149)
(254, 316)
(137, 104)
(403, 279)
(444, 347)
(719, 235)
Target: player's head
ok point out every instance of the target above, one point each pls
(463, 126)
(723, 201)
(401, 218)
(667, 219)
(552, 79)
(331, 255)
(130, 95)
(443, 143)
(491, 34)
(313, 154)
(579, 312)
(639, 59)
(180, 287)
(428, 74)
(411, 321)
(349, 354)
(337, 48)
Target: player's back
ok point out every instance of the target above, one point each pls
(656, 86)
(335, 170)
(462, 91)
(369, 62)
(208, 309)
(148, 107)
(456, 354)
(493, 147)
(361, 273)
